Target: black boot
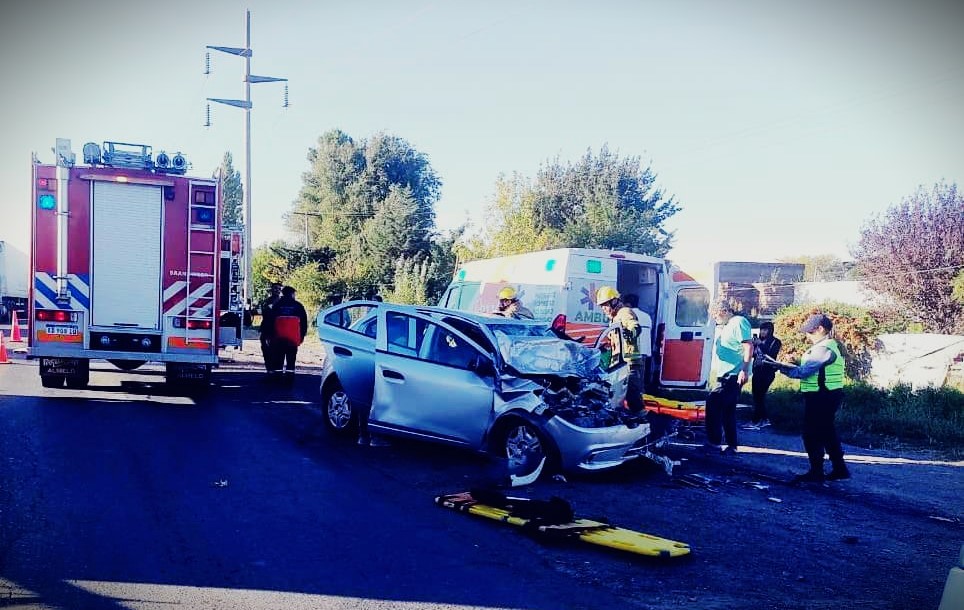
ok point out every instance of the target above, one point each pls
(839, 472)
(811, 476)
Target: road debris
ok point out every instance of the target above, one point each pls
(699, 481)
(944, 519)
(756, 485)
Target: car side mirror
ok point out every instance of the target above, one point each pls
(482, 367)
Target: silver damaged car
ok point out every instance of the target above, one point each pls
(492, 384)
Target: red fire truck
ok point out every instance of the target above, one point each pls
(127, 264)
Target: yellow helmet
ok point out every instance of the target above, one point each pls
(606, 294)
(507, 293)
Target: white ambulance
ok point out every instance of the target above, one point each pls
(559, 286)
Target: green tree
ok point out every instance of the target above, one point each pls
(957, 287)
(409, 282)
(311, 288)
(232, 193)
(913, 252)
(286, 264)
(266, 267)
(510, 221)
(371, 204)
(600, 201)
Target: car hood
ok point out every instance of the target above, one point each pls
(548, 356)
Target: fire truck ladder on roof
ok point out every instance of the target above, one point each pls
(201, 307)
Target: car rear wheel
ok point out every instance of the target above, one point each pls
(529, 452)
(340, 414)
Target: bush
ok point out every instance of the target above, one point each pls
(855, 328)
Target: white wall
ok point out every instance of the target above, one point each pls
(850, 292)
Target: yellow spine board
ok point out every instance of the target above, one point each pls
(587, 530)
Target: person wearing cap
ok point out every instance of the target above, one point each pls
(511, 307)
(821, 375)
(733, 355)
(624, 342)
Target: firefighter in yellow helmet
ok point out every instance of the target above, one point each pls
(511, 307)
(624, 339)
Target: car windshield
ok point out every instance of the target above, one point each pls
(546, 354)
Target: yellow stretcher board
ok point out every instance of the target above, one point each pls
(587, 530)
(692, 412)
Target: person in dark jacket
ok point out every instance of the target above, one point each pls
(288, 322)
(763, 374)
(271, 365)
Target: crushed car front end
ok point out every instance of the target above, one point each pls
(560, 383)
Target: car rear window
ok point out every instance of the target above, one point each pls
(351, 318)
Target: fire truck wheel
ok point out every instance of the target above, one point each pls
(126, 365)
(52, 381)
(78, 382)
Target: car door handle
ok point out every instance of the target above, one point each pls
(387, 374)
(340, 351)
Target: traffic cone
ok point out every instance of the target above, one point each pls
(15, 328)
(4, 359)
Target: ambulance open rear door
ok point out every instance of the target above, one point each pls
(687, 337)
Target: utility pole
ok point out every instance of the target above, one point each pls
(245, 104)
(306, 215)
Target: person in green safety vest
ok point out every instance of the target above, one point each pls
(821, 375)
(623, 341)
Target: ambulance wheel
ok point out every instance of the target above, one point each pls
(341, 417)
(531, 454)
(52, 381)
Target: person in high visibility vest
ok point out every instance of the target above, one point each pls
(821, 375)
(624, 342)
(288, 323)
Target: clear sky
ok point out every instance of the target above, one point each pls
(779, 127)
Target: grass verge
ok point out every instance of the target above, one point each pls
(931, 418)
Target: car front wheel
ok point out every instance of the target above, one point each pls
(340, 415)
(529, 452)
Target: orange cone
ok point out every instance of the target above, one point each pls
(15, 328)
(4, 359)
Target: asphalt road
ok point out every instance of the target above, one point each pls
(123, 497)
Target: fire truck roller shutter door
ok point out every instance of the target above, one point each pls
(126, 265)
